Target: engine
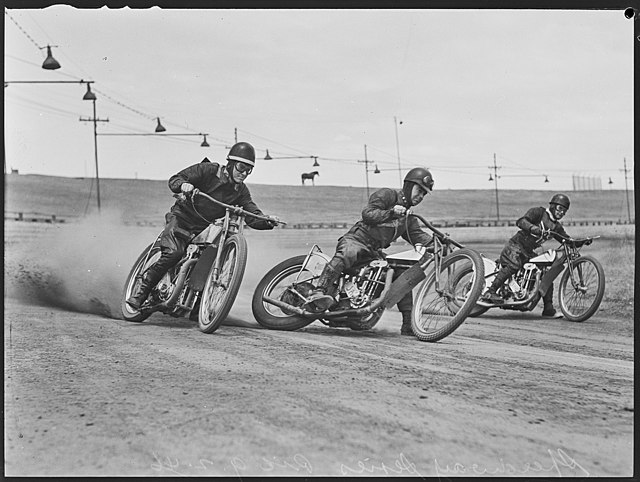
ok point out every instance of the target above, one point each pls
(360, 289)
(524, 281)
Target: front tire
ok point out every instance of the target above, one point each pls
(128, 312)
(443, 302)
(278, 284)
(218, 295)
(463, 279)
(579, 303)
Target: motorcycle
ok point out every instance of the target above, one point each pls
(364, 291)
(580, 290)
(205, 282)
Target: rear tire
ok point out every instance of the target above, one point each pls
(581, 303)
(275, 284)
(439, 310)
(219, 295)
(128, 312)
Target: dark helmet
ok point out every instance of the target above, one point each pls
(561, 199)
(242, 152)
(420, 176)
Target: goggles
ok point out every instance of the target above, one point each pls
(243, 168)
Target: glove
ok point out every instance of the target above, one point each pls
(536, 231)
(399, 210)
(422, 249)
(186, 187)
(273, 222)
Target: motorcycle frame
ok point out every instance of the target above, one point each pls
(231, 224)
(566, 255)
(441, 248)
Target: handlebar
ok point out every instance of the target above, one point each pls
(580, 242)
(234, 209)
(442, 236)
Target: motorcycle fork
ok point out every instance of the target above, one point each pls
(217, 263)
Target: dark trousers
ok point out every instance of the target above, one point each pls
(173, 242)
(512, 258)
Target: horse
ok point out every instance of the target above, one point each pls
(310, 175)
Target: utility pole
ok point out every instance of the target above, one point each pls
(395, 121)
(495, 178)
(366, 168)
(626, 188)
(95, 120)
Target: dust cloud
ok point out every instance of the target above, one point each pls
(77, 266)
(83, 266)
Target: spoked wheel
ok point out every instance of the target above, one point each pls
(463, 281)
(283, 283)
(220, 291)
(150, 255)
(446, 298)
(581, 289)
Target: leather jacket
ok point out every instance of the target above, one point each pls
(380, 226)
(214, 180)
(542, 218)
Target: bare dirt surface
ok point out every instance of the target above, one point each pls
(87, 393)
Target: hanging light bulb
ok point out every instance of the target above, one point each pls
(610, 181)
(490, 177)
(267, 157)
(88, 94)
(50, 63)
(160, 127)
(376, 170)
(546, 179)
(315, 161)
(204, 142)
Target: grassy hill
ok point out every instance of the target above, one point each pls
(146, 200)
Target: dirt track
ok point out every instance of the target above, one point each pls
(507, 394)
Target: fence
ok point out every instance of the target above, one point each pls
(438, 223)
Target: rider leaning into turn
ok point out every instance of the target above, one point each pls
(224, 183)
(536, 226)
(383, 221)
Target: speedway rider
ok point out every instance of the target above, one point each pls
(224, 183)
(536, 226)
(383, 221)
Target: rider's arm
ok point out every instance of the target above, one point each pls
(560, 230)
(380, 207)
(247, 204)
(196, 175)
(530, 219)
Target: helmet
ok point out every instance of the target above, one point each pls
(420, 176)
(561, 199)
(242, 152)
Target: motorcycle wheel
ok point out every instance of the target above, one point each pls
(219, 295)
(463, 283)
(275, 285)
(441, 304)
(128, 313)
(581, 302)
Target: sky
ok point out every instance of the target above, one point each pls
(539, 94)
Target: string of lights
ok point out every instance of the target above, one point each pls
(384, 163)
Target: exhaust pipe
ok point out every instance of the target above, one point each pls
(336, 314)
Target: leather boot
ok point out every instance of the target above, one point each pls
(406, 324)
(320, 300)
(549, 311)
(143, 287)
(492, 296)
